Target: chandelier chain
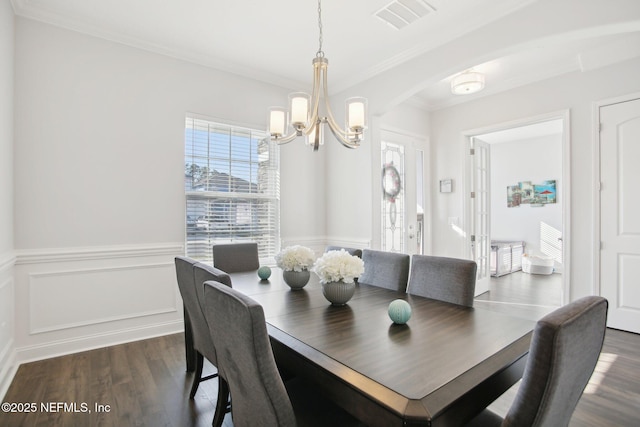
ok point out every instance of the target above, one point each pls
(320, 53)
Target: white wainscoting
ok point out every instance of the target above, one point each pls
(8, 364)
(349, 242)
(318, 244)
(71, 300)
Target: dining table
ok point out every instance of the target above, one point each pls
(441, 368)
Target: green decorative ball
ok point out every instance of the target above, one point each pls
(264, 272)
(399, 311)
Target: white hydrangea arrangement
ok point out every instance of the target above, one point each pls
(335, 266)
(295, 258)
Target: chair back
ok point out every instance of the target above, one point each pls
(185, 272)
(236, 257)
(445, 279)
(352, 251)
(385, 269)
(245, 359)
(203, 273)
(564, 351)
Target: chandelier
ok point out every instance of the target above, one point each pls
(306, 117)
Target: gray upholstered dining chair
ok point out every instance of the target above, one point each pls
(185, 278)
(191, 275)
(202, 273)
(247, 365)
(385, 269)
(445, 279)
(564, 350)
(236, 257)
(352, 251)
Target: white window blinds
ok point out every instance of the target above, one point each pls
(232, 188)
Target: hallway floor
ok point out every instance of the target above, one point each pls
(524, 295)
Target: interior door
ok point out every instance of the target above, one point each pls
(620, 213)
(399, 207)
(480, 212)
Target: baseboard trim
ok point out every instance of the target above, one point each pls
(9, 369)
(78, 344)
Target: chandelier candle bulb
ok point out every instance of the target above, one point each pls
(277, 121)
(299, 108)
(312, 135)
(355, 119)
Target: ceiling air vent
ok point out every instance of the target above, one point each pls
(400, 13)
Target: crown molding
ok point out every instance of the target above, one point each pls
(25, 9)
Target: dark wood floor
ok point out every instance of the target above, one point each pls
(144, 383)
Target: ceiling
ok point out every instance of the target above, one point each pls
(274, 41)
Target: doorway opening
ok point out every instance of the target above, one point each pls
(517, 213)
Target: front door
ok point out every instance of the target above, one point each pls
(399, 216)
(620, 213)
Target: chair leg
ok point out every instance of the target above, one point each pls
(190, 352)
(197, 375)
(222, 405)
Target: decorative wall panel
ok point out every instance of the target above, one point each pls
(72, 298)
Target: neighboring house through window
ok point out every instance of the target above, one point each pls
(232, 188)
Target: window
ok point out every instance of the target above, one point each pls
(232, 188)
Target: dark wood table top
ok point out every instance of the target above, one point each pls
(438, 369)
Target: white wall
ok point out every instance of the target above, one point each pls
(576, 91)
(353, 178)
(412, 120)
(535, 160)
(99, 191)
(7, 355)
(303, 195)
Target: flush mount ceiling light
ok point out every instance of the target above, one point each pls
(304, 115)
(467, 83)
